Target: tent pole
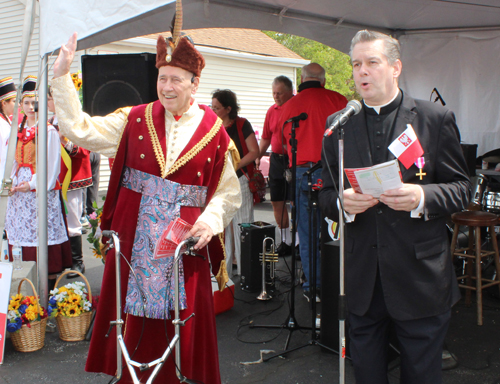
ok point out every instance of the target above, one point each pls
(43, 270)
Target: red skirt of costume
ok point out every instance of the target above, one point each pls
(199, 351)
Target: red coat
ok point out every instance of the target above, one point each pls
(199, 353)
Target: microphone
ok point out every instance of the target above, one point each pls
(302, 116)
(353, 108)
(438, 97)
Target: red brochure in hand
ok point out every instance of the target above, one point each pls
(171, 237)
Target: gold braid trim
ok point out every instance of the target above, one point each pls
(196, 149)
(160, 158)
(126, 111)
(222, 174)
(222, 276)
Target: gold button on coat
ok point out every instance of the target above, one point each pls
(209, 159)
(199, 174)
(138, 119)
(143, 155)
(141, 137)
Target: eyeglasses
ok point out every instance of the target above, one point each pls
(215, 109)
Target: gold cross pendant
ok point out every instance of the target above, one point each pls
(420, 173)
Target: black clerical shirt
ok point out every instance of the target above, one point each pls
(379, 128)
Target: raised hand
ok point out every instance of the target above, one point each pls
(63, 62)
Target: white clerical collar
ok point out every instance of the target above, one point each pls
(379, 107)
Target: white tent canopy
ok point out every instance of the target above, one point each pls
(451, 45)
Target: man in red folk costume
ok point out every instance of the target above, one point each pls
(172, 159)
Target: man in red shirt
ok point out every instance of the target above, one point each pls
(318, 103)
(272, 135)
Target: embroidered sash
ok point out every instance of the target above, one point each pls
(160, 204)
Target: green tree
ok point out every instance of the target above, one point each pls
(337, 64)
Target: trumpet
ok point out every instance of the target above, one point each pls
(267, 257)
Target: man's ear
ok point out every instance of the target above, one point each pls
(398, 67)
(196, 84)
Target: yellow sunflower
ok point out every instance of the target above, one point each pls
(74, 299)
(96, 254)
(15, 302)
(72, 311)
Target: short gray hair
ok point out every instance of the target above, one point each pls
(313, 70)
(392, 49)
(285, 81)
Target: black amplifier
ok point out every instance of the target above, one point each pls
(252, 237)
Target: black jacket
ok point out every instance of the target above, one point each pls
(413, 255)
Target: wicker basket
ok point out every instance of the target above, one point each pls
(74, 328)
(29, 339)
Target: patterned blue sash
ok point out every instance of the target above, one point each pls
(160, 204)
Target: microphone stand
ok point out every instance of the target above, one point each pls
(342, 297)
(313, 244)
(290, 323)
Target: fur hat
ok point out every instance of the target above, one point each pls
(29, 86)
(183, 54)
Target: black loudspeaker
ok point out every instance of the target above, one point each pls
(110, 82)
(252, 237)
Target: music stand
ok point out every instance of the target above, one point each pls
(313, 260)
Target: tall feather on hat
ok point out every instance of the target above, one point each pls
(178, 50)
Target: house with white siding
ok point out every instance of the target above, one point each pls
(243, 60)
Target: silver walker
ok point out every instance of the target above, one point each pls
(118, 323)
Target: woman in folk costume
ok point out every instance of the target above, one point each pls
(172, 159)
(21, 221)
(7, 105)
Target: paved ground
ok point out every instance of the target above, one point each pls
(476, 348)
